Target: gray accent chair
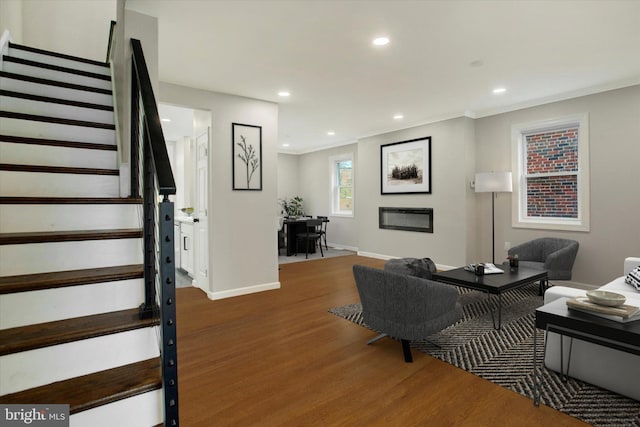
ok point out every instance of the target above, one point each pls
(419, 267)
(548, 253)
(405, 307)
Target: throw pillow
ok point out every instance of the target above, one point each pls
(633, 278)
(419, 267)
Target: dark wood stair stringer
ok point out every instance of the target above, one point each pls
(68, 236)
(96, 389)
(61, 279)
(24, 338)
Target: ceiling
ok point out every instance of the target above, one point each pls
(444, 58)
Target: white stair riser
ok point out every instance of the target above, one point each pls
(49, 305)
(58, 184)
(55, 91)
(59, 76)
(26, 218)
(61, 256)
(141, 410)
(20, 105)
(35, 129)
(47, 155)
(54, 60)
(33, 368)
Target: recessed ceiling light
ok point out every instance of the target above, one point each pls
(285, 145)
(398, 117)
(166, 120)
(499, 90)
(283, 93)
(381, 41)
(331, 133)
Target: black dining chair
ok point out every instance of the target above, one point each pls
(311, 235)
(323, 230)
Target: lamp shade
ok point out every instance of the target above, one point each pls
(493, 182)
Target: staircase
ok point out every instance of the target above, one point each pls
(71, 249)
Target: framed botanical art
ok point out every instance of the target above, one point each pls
(246, 156)
(405, 167)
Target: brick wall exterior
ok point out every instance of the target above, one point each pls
(552, 152)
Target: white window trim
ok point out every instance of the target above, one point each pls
(519, 219)
(333, 191)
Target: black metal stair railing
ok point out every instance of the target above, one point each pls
(152, 178)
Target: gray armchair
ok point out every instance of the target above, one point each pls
(403, 306)
(548, 253)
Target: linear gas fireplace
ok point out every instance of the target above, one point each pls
(409, 219)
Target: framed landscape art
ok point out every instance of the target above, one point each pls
(405, 167)
(246, 159)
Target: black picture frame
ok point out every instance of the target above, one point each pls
(405, 167)
(246, 157)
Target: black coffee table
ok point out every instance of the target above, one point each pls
(557, 317)
(493, 284)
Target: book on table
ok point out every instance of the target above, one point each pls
(489, 268)
(623, 313)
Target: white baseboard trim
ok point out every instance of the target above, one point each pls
(375, 255)
(229, 293)
(342, 247)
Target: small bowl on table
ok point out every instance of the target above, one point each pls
(610, 299)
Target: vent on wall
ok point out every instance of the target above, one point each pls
(409, 219)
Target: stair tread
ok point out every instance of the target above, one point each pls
(51, 100)
(93, 390)
(57, 54)
(60, 279)
(24, 338)
(57, 120)
(31, 63)
(57, 169)
(68, 236)
(48, 82)
(57, 143)
(10, 200)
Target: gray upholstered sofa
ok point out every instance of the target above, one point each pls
(404, 306)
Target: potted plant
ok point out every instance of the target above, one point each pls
(293, 207)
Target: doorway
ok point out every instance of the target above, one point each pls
(188, 138)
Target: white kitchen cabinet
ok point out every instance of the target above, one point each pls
(186, 247)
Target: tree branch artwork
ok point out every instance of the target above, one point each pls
(248, 157)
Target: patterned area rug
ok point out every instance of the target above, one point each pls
(505, 357)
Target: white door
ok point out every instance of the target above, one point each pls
(201, 222)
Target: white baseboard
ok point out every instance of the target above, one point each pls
(242, 291)
(342, 247)
(375, 255)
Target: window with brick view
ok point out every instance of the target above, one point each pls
(551, 169)
(552, 173)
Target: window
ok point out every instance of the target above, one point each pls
(342, 185)
(551, 165)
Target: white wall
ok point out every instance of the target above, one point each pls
(56, 25)
(288, 176)
(452, 160)
(315, 188)
(614, 131)
(11, 19)
(242, 224)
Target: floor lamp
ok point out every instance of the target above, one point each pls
(493, 182)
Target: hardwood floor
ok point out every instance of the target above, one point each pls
(280, 358)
